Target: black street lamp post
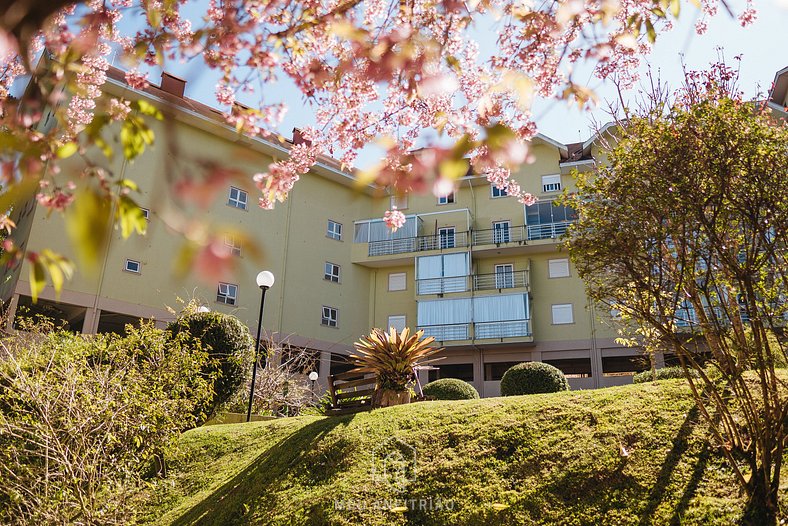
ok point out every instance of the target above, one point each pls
(265, 281)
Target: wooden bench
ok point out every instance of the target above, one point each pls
(350, 393)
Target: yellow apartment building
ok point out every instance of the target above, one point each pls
(479, 271)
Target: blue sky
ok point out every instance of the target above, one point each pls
(763, 47)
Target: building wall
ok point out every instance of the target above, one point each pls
(295, 246)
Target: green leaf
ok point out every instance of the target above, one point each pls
(453, 168)
(146, 108)
(88, 225)
(67, 150)
(650, 31)
(37, 279)
(130, 217)
(675, 7)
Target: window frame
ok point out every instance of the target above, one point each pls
(326, 321)
(498, 231)
(550, 269)
(145, 213)
(229, 242)
(571, 313)
(234, 202)
(400, 202)
(504, 275)
(500, 191)
(127, 269)
(404, 281)
(404, 321)
(444, 230)
(550, 187)
(332, 233)
(331, 276)
(224, 297)
(448, 199)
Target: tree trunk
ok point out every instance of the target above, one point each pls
(390, 397)
(762, 506)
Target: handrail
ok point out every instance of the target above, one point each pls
(418, 244)
(501, 280)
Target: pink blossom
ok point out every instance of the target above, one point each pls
(394, 219)
(137, 80)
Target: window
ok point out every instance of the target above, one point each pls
(232, 246)
(334, 230)
(558, 268)
(573, 367)
(132, 266)
(398, 322)
(400, 202)
(442, 273)
(446, 199)
(562, 314)
(498, 192)
(501, 231)
(330, 317)
(460, 371)
(331, 272)
(622, 365)
(227, 293)
(145, 213)
(238, 198)
(493, 372)
(446, 237)
(504, 276)
(551, 183)
(397, 281)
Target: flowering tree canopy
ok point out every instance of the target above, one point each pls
(391, 73)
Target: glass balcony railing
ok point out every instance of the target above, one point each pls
(479, 330)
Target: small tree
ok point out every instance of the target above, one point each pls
(533, 378)
(229, 346)
(685, 234)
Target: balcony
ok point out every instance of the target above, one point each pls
(388, 247)
(495, 281)
(491, 330)
(548, 230)
(519, 235)
(501, 280)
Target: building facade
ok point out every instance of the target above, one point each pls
(483, 274)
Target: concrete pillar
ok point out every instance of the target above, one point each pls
(324, 369)
(659, 359)
(92, 317)
(10, 313)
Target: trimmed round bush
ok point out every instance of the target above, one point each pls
(532, 378)
(664, 373)
(230, 354)
(451, 389)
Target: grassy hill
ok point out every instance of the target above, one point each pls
(540, 459)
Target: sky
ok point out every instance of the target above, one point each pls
(763, 47)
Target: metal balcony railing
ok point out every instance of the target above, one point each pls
(498, 236)
(388, 247)
(442, 285)
(501, 329)
(443, 333)
(547, 230)
(481, 330)
(501, 280)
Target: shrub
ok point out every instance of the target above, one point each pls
(230, 354)
(532, 378)
(451, 389)
(83, 418)
(664, 373)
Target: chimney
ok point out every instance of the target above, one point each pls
(172, 84)
(298, 138)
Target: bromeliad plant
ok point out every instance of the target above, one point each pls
(392, 357)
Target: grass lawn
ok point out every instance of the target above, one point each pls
(539, 459)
